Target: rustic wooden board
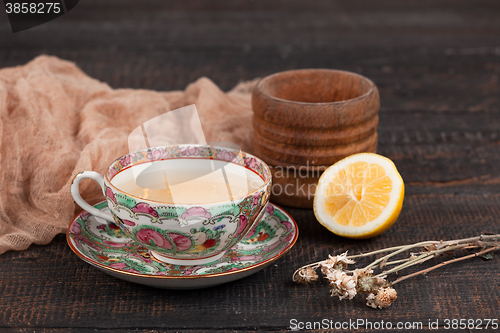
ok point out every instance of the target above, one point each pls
(437, 66)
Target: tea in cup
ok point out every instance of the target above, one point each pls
(187, 204)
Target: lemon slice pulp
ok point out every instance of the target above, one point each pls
(360, 196)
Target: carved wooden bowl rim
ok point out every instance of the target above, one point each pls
(265, 80)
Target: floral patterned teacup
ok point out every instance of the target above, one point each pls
(182, 234)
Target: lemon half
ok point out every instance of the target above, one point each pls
(360, 196)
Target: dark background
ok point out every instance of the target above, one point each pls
(437, 66)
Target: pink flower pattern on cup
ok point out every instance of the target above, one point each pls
(128, 222)
(125, 161)
(196, 211)
(110, 194)
(145, 208)
(251, 163)
(153, 237)
(255, 200)
(225, 155)
(112, 172)
(156, 154)
(181, 242)
(242, 225)
(190, 151)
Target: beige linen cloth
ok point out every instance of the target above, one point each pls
(55, 121)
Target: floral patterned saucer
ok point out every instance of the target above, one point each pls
(103, 245)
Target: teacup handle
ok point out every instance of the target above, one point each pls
(75, 192)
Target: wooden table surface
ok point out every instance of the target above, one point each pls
(437, 66)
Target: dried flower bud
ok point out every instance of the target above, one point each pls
(328, 263)
(305, 275)
(339, 262)
(343, 285)
(382, 282)
(343, 258)
(384, 298)
(366, 283)
(370, 301)
(340, 266)
(359, 272)
(325, 270)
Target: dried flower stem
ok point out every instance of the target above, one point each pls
(420, 259)
(402, 249)
(467, 243)
(425, 271)
(392, 249)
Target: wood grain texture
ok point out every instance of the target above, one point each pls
(320, 105)
(310, 155)
(317, 137)
(437, 68)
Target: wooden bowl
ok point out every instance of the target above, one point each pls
(313, 118)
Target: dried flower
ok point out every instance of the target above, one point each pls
(384, 298)
(343, 285)
(305, 275)
(382, 282)
(359, 272)
(348, 283)
(366, 283)
(325, 269)
(370, 301)
(339, 262)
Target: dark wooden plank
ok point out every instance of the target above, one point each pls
(406, 79)
(194, 24)
(442, 147)
(124, 330)
(407, 49)
(80, 330)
